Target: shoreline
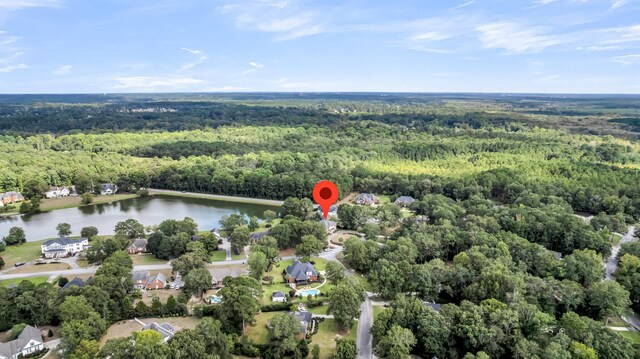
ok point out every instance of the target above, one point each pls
(216, 197)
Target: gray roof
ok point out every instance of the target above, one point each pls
(164, 329)
(558, 255)
(140, 276)
(63, 241)
(111, 186)
(305, 319)
(259, 235)
(178, 282)
(11, 193)
(367, 198)
(298, 270)
(219, 274)
(139, 243)
(159, 277)
(77, 282)
(14, 347)
(404, 200)
(434, 306)
(278, 295)
(328, 224)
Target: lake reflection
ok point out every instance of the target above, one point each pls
(148, 211)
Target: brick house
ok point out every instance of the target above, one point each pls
(301, 273)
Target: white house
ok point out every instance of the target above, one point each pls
(62, 247)
(56, 192)
(279, 297)
(108, 188)
(28, 342)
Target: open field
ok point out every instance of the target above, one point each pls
(327, 334)
(161, 294)
(634, 337)
(125, 328)
(145, 259)
(35, 280)
(69, 202)
(24, 252)
(377, 310)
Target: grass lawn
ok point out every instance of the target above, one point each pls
(326, 337)
(377, 310)
(82, 263)
(259, 333)
(616, 322)
(615, 239)
(237, 256)
(383, 199)
(319, 310)
(161, 294)
(263, 225)
(634, 337)
(146, 259)
(125, 328)
(25, 252)
(69, 202)
(35, 280)
(218, 256)
(40, 268)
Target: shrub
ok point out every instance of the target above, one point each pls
(275, 307)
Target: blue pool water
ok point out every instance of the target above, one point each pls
(307, 292)
(215, 299)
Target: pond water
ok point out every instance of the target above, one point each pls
(148, 211)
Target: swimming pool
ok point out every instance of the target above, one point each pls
(215, 299)
(307, 292)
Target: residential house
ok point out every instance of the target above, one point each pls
(219, 274)
(57, 192)
(28, 342)
(434, 306)
(166, 330)
(10, 197)
(63, 247)
(75, 282)
(144, 281)
(305, 319)
(138, 246)
(178, 283)
(301, 273)
(366, 199)
(216, 232)
(258, 235)
(278, 297)
(557, 255)
(404, 201)
(108, 188)
(333, 211)
(330, 226)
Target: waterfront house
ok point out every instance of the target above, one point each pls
(108, 188)
(301, 273)
(63, 247)
(28, 343)
(57, 192)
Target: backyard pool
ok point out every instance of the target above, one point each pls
(214, 299)
(307, 292)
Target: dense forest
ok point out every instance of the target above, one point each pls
(493, 236)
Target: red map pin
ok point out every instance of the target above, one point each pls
(325, 193)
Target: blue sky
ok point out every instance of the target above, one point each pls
(558, 46)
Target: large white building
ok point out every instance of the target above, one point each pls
(56, 192)
(28, 342)
(62, 247)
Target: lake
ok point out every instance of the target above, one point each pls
(148, 211)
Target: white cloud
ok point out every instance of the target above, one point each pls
(10, 68)
(21, 4)
(189, 65)
(285, 19)
(195, 52)
(463, 5)
(147, 83)
(514, 38)
(11, 58)
(256, 65)
(602, 48)
(626, 60)
(615, 4)
(225, 89)
(62, 70)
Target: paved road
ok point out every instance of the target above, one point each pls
(612, 263)
(365, 339)
(268, 202)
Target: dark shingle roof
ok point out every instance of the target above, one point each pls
(404, 200)
(304, 318)
(278, 295)
(74, 282)
(299, 270)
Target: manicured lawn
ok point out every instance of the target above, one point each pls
(319, 310)
(146, 259)
(616, 322)
(383, 198)
(238, 256)
(269, 289)
(68, 202)
(259, 333)
(218, 256)
(326, 337)
(634, 337)
(615, 239)
(35, 280)
(82, 263)
(25, 252)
